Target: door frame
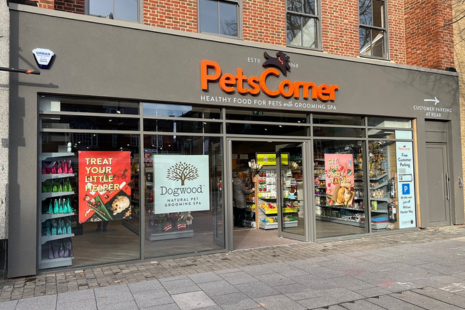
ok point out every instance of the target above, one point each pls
(281, 232)
(228, 190)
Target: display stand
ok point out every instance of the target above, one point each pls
(257, 216)
(55, 221)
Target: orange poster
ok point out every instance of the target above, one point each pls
(104, 193)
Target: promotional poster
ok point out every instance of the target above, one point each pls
(406, 185)
(339, 171)
(104, 193)
(181, 183)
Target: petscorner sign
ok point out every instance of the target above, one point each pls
(210, 72)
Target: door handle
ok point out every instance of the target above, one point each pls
(447, 186)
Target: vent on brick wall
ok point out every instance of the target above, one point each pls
(451, 69)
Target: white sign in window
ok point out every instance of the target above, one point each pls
(181, 183)
(406, 185)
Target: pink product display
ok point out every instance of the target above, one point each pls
(57, 167)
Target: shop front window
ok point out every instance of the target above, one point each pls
(340, 205)
(392, 185)
(87, 198)
(183, 201)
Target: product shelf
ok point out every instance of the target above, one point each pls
(385, 199)
(55, 216)
(46, 177)
(55, 262)
(55, 194)
(379, 211)
(45, 156)
(379, 186)
(44, 239)
(290, 210)
(344, 208)
(267, 226)
(378, 178)
(269, 211)
(340, 221)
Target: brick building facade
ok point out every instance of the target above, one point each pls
(216, 84)
(419, 34)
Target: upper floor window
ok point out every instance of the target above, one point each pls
(219, 17)
(114, 9)
(372, 31)
(303, 23)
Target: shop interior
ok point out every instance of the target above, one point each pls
(245, 234)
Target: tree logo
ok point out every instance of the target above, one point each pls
(182, 172)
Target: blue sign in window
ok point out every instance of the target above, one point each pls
(405, 189)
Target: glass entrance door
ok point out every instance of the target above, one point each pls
(292, 201)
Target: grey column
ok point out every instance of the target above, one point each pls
(4, 116)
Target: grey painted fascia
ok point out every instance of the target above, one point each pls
(221, 39)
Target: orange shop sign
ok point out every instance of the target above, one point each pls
(210, 72)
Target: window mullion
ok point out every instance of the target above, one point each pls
(219, 17)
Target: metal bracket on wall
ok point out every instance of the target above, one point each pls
(460, 182)
(29, 71)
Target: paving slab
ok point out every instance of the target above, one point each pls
(152, 298)
(218, 288)
(37, 303)
(278, 302)
(361, 304)
(235, 301)
(441, 295)
(184, 285)
(76, 304)
(423, 301)
(145, 286)
(193, 300)
(325, 300)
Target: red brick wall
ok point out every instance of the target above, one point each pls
(264, 21)
(430, 43)
(72, 6)
(396, 31)
(340, 27)
(172, 14)
(416, 33)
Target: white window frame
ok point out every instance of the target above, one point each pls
(383, 29)
(317, 17)
(239, 18)
(140, 11)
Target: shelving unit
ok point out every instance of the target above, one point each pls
(48, 219)
(266, 198)
(379, 167)
(292, 193)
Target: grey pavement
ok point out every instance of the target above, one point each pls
(415, 269)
